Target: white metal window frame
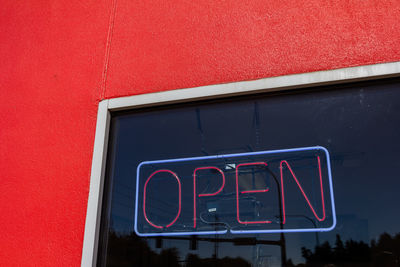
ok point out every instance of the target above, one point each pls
(286, 82)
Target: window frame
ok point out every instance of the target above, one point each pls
(279, 83)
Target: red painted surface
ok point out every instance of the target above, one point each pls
(59, 58)
(51, 62)
(159, 46)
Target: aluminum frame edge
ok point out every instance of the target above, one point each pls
(292, 81)
(93, 213)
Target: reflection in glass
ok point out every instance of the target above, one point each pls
(358, 124)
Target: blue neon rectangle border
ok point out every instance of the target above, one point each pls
(242, 231)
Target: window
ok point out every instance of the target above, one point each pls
(239, 174)
(359, 124)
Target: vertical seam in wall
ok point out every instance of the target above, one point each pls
(108, 49)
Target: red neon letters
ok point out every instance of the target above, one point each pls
(247, 192)
(283, 163)
(144, 199)
(302, 191)
(204, 195)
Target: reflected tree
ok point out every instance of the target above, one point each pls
(383, 252)
(125, 250)
(194, 261)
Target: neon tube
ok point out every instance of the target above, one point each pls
(327, 193)
(247, 192)
(144, 199)
(204, 195)
(302, 191)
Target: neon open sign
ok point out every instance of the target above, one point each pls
(286, 190)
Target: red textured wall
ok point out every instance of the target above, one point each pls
(59, 58)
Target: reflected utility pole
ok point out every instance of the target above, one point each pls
(282, 235)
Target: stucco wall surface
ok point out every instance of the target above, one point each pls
(60, 58)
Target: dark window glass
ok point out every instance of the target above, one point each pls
(359, 124)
